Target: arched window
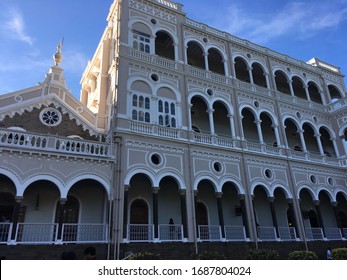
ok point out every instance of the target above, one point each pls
(314, 93)
(195, 55)
(298, 88)
(281, 81)
(241, 70)
(164, 45)
(139, 212)
(141, 108)
(258, 75)
(335, 94)
(215, 61)
(141, 41)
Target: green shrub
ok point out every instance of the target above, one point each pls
(339, 254)
(209, 255)
(302, 255)
(262, 254)
(144, 256)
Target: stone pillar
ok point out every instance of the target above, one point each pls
(210, 116)
(277, 135)
(260, 133)
(319, 215)
(302, 139)
(18, 201)
(125, 211)
(292, 213)
(291, 88)
(155, 211)
(250, 75)
(232, 127)
(184, 212)
(244, 215)
(319, 143)
(61, 217)
(206, 61)
(220, 213)
(273, 214)
(336, 214)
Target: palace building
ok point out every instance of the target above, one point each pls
(183, 136)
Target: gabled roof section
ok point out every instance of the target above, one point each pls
(52, 90)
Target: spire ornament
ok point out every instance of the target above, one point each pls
(58, 57)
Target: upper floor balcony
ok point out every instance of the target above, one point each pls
(31, 142)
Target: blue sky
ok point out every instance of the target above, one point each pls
(31, 30)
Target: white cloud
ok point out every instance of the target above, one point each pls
(301, 19)
(14, 27)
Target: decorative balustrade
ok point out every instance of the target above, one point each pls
(160, 61)
(337, 105)
(24, 140)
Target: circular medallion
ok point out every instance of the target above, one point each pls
(50, 117)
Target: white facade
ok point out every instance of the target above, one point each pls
(230, 140)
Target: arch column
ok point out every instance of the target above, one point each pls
(232, 126)
(292, 214)
(220, 212)
(333, 140)
(336, 214)
(244, 214)
(266, 75)
(277, 135)
(125, 210)
(250, 74)
(206, 61)
(210, 116)
(273, 214)
(319, 142)
(319, 215)
(190, 117)
(184, 212)
(307, 93)
(61, 205)
(260, 133)
(302, 139)
(155, 211)
(226, 69)
(290, 83)
(175, 45)
(16, 210)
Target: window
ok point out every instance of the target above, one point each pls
(141, 108)
(166, 113)
(141, 41)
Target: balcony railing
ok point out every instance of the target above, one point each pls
(209, 233)
(36, 233)
(287, 233)
(235, 233)
(314, 234)
(84, 233)
(5, 232)
(24, 140)
(266, 233)
(171, 232)
(140, 233)
(47, 233)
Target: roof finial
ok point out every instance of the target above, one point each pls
(58, 57)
